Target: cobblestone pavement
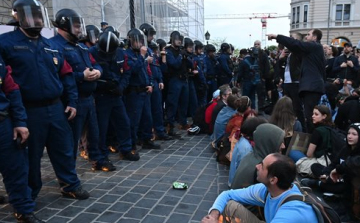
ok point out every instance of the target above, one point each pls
(138, 191)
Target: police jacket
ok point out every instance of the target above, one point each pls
(346, 72)
(177, 63)
(199, 64)
(312, 73)
(225, 65)
(211, 67)
(79, 58)
(39, 68)
(155, 67)
(10, 98)
(137, 68)
(113, 80)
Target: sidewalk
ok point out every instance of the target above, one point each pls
(138, 191)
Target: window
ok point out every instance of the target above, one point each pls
(293, 16)
(306, 8)
(297, 14)
(342, 14)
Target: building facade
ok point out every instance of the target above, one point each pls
(339, 20)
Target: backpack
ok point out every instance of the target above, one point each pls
(223, 148)
(254, 71)
(324, 213)
(337, 141)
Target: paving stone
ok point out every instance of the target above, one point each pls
(146, 203)
(153, 219)
(131, 197)
(185, 208)
(97, 208)
(128, 220)
(192, 199)
(70, 211)
(168, 200)
(57, 219)
(109, 216)
(140, 189)
(136, 213)
(84, 217)
(154, 194)
(162, 210)
(121, 207)
(178, 218)
(109, 199)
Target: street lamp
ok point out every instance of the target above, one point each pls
(207, 37)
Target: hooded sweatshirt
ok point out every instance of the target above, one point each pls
(268, 139)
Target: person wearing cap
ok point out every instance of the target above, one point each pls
(104, 25)
(346, 67)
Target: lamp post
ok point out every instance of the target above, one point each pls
(207, 37)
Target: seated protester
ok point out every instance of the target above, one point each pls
(224, 116)
(236, 121)
(320, 142)
(284, 117)
(322, 173)
(348, 112)
(268, 139)
(275, 173)
(209, 110)
(236, 91)
(225, 91)
(244, 145)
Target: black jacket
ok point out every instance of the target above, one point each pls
(295, 67)
(346, 72)
(312, 74)
(349, 112)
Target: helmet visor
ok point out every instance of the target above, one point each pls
(30, 16)
(137, 41)
(77, 26)
(177, 40)
(92, 36)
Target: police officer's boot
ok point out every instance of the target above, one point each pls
(27, 218)
(2, 200)
(170, 131)
(148, 144)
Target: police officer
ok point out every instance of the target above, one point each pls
(13, 159)
(200, 81)
(164, 71)
(70, 29)
(178, 87)
(193, 72)
(158, 85)
(42, 75)
(108, 98)
(92, 35)
(211, 70)
(140, 87)
(225, 65)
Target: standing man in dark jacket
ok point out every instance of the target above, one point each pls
(312, 74)
(291, 77)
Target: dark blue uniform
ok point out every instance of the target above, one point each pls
(211, 73)
(225, 65)
(37, 65)
(137, 100)
(178, 88)
(156, 95)
(109, 103)
(193, 99)
(79, 58)
(200, 81)
(13, 161)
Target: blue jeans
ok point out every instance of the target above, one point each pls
(248, 89)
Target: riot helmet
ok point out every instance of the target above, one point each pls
(176, 39)
(71, 22)
(136, 39)
(225, 48)
(92, 34)
(161, 43)
(210, 48)
(108, 43)
(148, 30)
(113, 30)
(31, 15)
(153, 46)
(198, 45)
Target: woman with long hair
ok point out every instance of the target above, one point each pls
(320, 142)
(284, 117)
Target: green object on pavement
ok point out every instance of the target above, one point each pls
(180, 186)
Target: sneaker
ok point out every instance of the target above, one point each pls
(27, 218)
(79, 194)
(106, 166)
(132, 155)
(148, 144)
(308, 182)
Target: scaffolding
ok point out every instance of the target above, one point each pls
(186, 16)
